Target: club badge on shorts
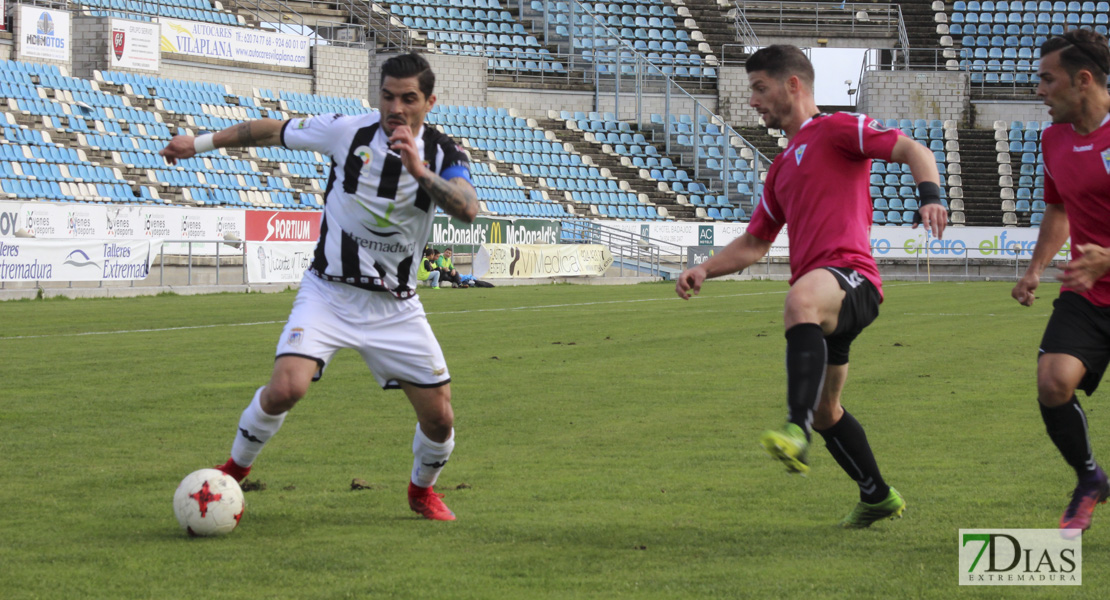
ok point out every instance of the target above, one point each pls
(295, 336)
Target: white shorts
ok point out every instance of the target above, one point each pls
(393, 336)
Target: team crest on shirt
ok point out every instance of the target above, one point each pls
(799, 152)
(1106, 160)
(295, 336)
(877, 126)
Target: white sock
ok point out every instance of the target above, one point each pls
(255, 429)
(429, 457)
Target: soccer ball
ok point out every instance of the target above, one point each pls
(208, 502)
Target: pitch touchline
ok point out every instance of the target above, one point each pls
(457, 312)
(53, 335)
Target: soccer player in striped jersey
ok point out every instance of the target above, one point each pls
(389, 172)
(1075, 348)
(818, 186)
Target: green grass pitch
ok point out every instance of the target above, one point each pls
(607, 440)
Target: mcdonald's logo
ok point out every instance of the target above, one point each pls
(496, 233)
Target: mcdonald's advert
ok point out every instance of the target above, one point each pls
(466, 237)
(545, 260)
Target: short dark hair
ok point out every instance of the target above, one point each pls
(781, 61)
(1081, 49)
(404, 66)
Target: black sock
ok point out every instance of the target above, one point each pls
(847, 442)
(805, 372)
(1067, 427)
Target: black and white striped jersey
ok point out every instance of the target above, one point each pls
(376, 216)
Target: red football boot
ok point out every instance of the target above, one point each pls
(428, 503)
(234, 470)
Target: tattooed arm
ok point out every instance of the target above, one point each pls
(260, 132)
(456, 197)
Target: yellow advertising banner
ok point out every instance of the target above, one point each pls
(544, 260)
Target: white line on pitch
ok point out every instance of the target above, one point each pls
(457, 312)
(54, 335)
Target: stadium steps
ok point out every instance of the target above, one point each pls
(982, 194)
(766, 143)
(60, 137)
(715, 26)
(629, 175)
(685, 160)
(788, 22)
(528, 182)
(176, 122)
(921, 29)
(310, 12)
(1004, 91)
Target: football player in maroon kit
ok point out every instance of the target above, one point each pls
(819, 186)
(1075, 349)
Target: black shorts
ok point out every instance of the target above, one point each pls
(1080, 329)
(858, 310)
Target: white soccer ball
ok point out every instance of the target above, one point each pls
(208, 502)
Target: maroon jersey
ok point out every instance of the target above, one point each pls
(819, 185)
(1077, 175)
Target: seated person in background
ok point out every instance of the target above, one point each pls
(427, 270)
(447, 270)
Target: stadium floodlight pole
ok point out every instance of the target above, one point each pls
(697, 138)
(617, 79)
(597, 88)
(570, 33)
(639, 87)
(727, 160)
(667, 114)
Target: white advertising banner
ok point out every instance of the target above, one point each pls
(959, 242)
(134, 45)
(76, 260)
(70, 220)
(193, 224)
(44, 33)
(544, 260)
(11, 218)
(239, 44)
(278, 262)
(49, 220)
(887, 242)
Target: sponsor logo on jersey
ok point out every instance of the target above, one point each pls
(363, 152)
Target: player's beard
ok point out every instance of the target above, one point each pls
(772, 121)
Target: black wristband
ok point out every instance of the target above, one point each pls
(928, 192)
